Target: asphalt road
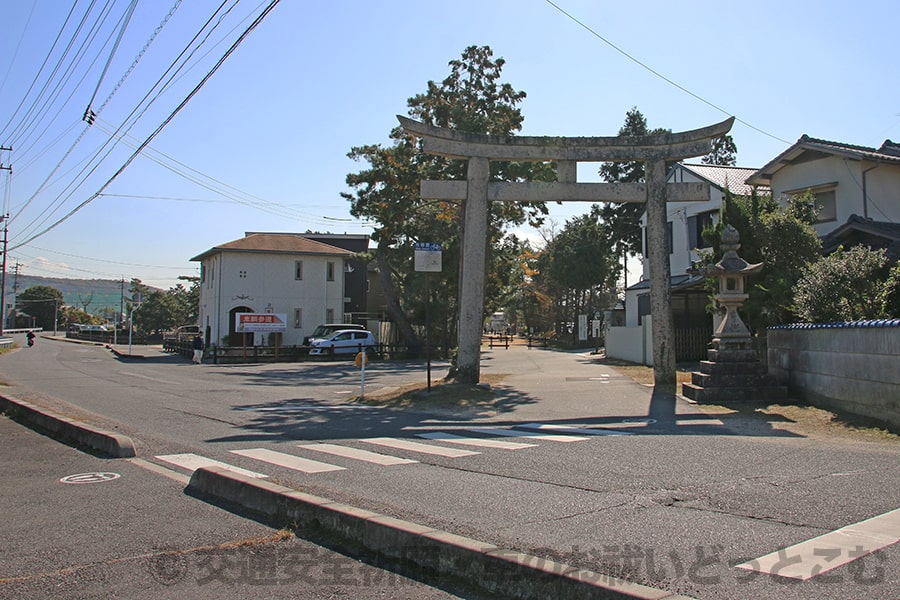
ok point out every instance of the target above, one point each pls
(676, 500)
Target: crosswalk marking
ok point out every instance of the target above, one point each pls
(288, 460)
(357, 454)
(821, 554)
(192, 462)
(470, 441)
(417, 447)
(525, 434)
(567, 429)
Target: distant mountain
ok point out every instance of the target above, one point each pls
(96, 294)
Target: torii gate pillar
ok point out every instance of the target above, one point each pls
(477, 190)
(471, 284)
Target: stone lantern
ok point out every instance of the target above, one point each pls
(732, 271)
(733, 371)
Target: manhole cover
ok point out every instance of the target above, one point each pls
(90, 477)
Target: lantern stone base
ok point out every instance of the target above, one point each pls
(733, 373)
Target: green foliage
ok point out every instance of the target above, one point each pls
(72, 315)
(162, 310)
(722, 152)
(847, 285)
(782, 239)
(43, 303)
(890, 295)
(471, 98)
(624, 218)
(579, 268)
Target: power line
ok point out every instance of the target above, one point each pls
(168, 120)
(34, 81)
(177, 65)
(660, 75)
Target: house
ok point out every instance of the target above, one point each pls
(356, 276)
(857, 192)
(693, 323)
(280, 273)
(857, 189)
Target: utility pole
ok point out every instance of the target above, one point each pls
(4, 218)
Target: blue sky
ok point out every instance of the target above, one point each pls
(269, 132)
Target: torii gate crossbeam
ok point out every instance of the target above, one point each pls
(477, 192)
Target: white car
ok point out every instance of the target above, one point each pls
(346, 341)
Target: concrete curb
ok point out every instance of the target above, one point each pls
(123, 355)
(429, 552)
(111, 444)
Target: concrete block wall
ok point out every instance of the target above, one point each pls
(851, 367)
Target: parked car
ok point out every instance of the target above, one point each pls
(328, 329)
(347, 341)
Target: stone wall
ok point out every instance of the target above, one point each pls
(850, 367)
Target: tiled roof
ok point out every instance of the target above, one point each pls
(279, 243)
(877, 234)
(724, 177)
(888, 152)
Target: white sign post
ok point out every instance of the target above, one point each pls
(428, 260)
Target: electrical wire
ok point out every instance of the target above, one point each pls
(156, 132)
(129, 12)
(232, 193)
(18, 47)
(660, 75)
(61, 73)
(12, 118)
(99, 110)
(127, 124)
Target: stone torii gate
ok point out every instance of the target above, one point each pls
(476, 192)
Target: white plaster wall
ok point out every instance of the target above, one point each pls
(682, 255)
(269, 285)
(678, 213)
(634, 344)
(882, 186)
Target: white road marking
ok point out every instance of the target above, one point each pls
(417, 447)
(567, 429)
(288, 460)
(525, 434)
(470, 441)
(357, 454)
(192, 462)
(821, 554)
(160, 470)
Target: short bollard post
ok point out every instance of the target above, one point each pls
(362, 359)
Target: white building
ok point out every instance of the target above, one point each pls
(686, 220)
(857, 189)
(279, 273)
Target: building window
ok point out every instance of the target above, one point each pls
(826, 206)
(329, 315)
(329, 272)
(668, 235)
(696, 225)
(298, 270)
(824, 200)
(298, 318)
